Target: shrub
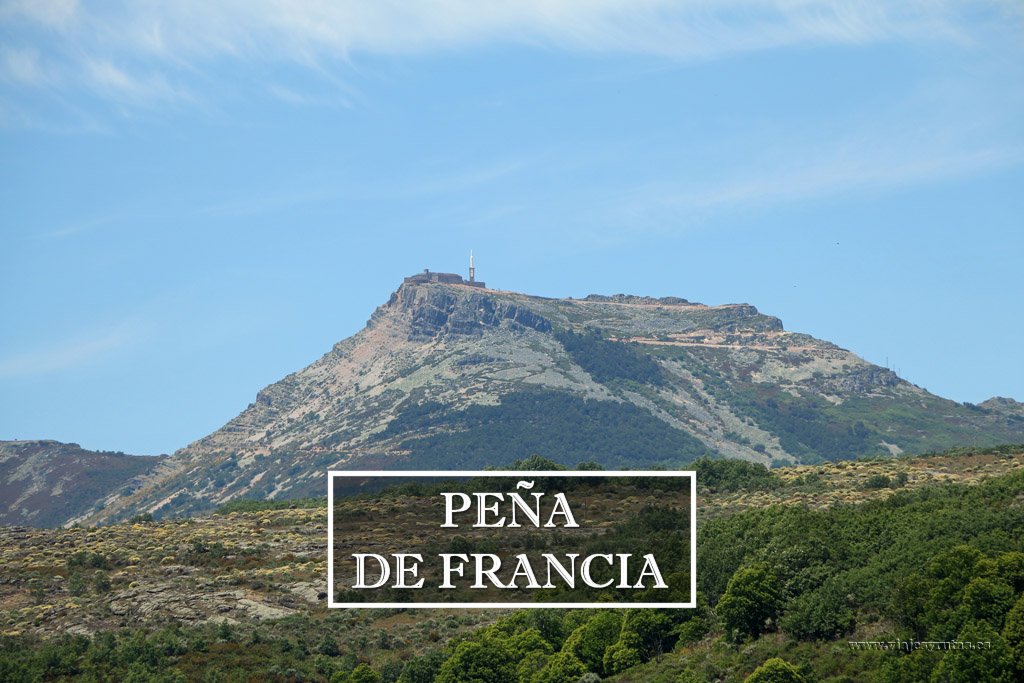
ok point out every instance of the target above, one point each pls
(478, 662)
(878, 481)
(775, 670)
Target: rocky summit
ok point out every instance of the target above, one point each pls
(453, 375)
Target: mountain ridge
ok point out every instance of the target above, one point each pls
(447, 375)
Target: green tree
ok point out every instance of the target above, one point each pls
(549, 624)
(624, 654)
(530, 652)
(751, 602)
(528, 641)
(956, 564)
(225, 632)
(1013, 632)
(775, 670)
(589, 641)
(423, 669)
(1011, 568)
(994, 665)
(652, 628)
(988, 599)
(564, 667)
(530, 665)
(364, 674)
(475, 661)
(819, 615)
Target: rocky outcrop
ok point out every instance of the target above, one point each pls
(862, 380)
(191, 599)
(1004, 406)
(446, 312)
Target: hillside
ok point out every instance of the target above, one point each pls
(243, 589)
(452, 376)
(46, 483)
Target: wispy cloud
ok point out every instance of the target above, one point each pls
(141, 52)
(841, 173)
(71, 353)
(338, 97)
(138, 89)
(430, 179)
(22, 66)
(775, 170)
(76, 228)
(49, 13)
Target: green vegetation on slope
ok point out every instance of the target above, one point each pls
(256, 505)
(719, 476)
(804, 425)
(558, 425)
(781, 592)
(607, 360)
(817, 430)
(938, 563)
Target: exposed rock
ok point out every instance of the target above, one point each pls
(862, 380)
(439, 312)
(1003, 405)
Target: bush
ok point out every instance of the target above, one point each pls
(364, 674)
(878, 481)
(562, 667)
(478, 662)
(775, 670)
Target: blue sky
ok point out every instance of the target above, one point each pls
(199, 198)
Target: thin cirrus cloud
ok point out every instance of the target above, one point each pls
(866, 171)
(144, 52)
(23, 66)
(70, 354)
(882, 159)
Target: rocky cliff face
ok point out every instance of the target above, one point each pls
(453, 376)
(437, 312)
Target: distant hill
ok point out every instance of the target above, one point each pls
(48, 483)
(445, 375)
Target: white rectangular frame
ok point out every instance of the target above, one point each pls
(510, 474)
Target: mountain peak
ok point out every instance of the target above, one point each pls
(449, 374)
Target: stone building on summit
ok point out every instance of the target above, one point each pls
(447, 278)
